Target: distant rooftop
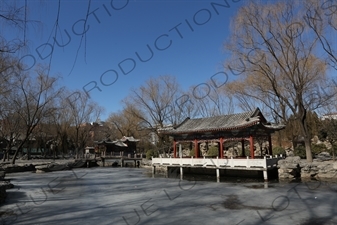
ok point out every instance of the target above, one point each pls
(329, 116)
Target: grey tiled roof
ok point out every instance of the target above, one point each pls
(119, 142)
(132, 139)
(218, 123)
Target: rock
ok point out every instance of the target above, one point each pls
(293, 167)
(289, 168)
(2, 174)
(49, 167)
(293, 159)
(309, 175)
(287, 174)
(324, 156)
(289, 152)
(9, 168)
(328, 175)
(4, 185)
(42, 169)
(334, 165)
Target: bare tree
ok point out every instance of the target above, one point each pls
(61, 121)
(11, 124)
(209, 100)
(321, 17)
(13, 17)
(155, 101)
(277, 61)
(8, 67)
(125, 122)
(33, 101)
(83, 113)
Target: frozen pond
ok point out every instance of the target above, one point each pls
(127, 196)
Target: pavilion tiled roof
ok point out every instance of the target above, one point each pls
(119, 142)
(132, 139)
(218, 123)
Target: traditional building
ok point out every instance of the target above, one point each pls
(121, 147)
(329, 116)
(244, 127)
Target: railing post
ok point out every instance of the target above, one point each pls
(192, 164)
(170, 160)
(181, 160)
(248, 166)
(265, 162)
(217, 161)
(161, 160)
(232, 162)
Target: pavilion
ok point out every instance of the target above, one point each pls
(246, 126)
(120, 147)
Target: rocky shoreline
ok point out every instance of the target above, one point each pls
(294, 168)
(38, 166)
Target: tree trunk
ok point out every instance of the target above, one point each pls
(305, 131)
(279, 138)
(28, 153)
(333, 150)
(5, 156)
(333, 154)
(8, 149)
(76, 153)
(17, 151)
(307, 143)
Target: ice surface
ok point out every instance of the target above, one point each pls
(127, 196)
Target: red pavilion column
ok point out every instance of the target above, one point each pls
(174, 149)
(251, 146)
(196, 148)
(221, 148)
(270, 145)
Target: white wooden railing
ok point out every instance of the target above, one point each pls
(265, 163)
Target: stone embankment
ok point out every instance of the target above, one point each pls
(295, 167)
(34, 165)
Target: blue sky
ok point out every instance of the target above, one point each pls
(186, 38)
